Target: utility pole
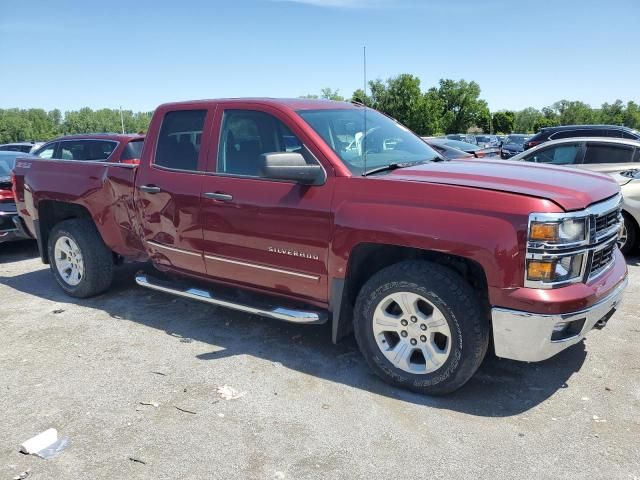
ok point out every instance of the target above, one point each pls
(121, 119)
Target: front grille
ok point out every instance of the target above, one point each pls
(601, 259)
(605, 221)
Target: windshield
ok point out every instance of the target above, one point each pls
(517, 139)
(384, 143)
(7, 162)
(467, 147)
(133, 150)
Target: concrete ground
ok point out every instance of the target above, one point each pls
(310, 409)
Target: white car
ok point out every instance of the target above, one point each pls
(599, 154)
(629, 182)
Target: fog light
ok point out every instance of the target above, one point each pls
(559, 327)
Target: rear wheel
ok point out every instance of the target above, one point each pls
(420, 326)
(628, 239)
(80, 261)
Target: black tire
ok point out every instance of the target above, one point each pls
(467, 320)
(632, 235)
(97, 258)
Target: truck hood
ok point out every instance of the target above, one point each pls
(572, 189)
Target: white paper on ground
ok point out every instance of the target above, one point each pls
(45, 445)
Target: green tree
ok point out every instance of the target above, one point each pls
(503, 121)
(573, 112)
(462, 106)
(329, 94)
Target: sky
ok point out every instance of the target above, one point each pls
(137, 54)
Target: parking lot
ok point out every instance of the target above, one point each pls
(310, 409)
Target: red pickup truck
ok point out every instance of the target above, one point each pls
(327, 211)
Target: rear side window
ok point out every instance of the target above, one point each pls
(558, 155)
(92, 150)
(179, 140)
(47, 151)
(133, 150)
(608, 154)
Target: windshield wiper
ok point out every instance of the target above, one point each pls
(396, 165)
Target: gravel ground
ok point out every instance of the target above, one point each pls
(310, 409)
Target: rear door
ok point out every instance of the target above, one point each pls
(608, 157)
(168, 189)
(262, 233)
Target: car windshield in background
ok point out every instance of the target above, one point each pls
(517, 139)
(133, 150)
(385, 142)
(7, 162)
(464, 146)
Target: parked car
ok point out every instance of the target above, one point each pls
(462, 137)
(572, 131)
(447, 152)
(629, 182)
(23, 147)
(100, 147)
(422, 259)
(487, 141)
(513, 145)
(469, 148)
(605, 155)
(9, 230)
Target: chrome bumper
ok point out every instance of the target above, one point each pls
(526, 336)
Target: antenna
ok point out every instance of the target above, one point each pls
(121, 119)
(364, 101)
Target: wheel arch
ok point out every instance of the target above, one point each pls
(366, 259)
(50, 213)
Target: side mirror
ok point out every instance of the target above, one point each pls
(291, 167)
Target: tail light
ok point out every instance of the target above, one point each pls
(14, 190)
(480, 154)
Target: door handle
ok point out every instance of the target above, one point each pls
(150, 188)
(224, 197)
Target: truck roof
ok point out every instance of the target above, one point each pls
(292, 103)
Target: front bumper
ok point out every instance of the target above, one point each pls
(527, 336)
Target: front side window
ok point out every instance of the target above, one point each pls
(558, 155)
(92, 150)
(383, 141)
(47, 151)
(179, 139)
(608, 154)
(246, 135)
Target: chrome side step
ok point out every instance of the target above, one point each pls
(279, 313)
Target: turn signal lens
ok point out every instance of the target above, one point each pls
(540, 271)
(545, 232)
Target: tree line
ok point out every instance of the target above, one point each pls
(450, 107)
(456, 107)
(36, 124)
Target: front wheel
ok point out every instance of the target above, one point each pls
(421, 326)
(80, 261)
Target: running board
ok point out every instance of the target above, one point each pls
(265, 310)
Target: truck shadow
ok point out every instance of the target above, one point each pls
(500, 388)
(11, 252)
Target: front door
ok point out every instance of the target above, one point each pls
(267, 234)
(168, 191)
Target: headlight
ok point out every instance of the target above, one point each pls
(558, 232)
(556, 270)
(556, 249)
